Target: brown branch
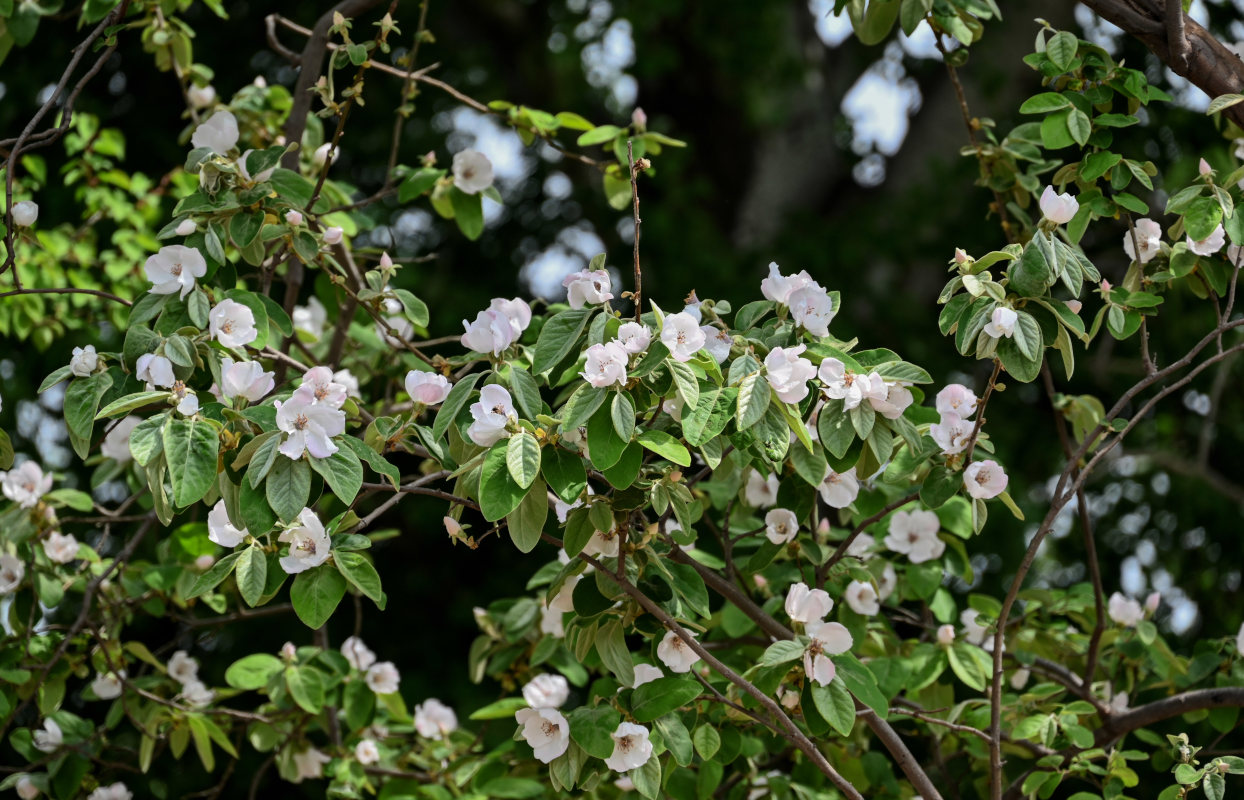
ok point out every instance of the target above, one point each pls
(639, 276)
(94, 292)
(822, 572)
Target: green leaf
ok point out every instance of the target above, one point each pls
(499, 493)
(940, 485)
(1044, 103)
(454, 401)
(361, 573)
(343, 473)
(81, 400)
(835, 704)
(686, 382)
(191, 447)
(130, 402)
(622, 412)
(565, 473)
(754, 397)
(1061, 49)
(359, 703)
(522, 458)
(861, 682)
(661, 696)
(526, 522)
(707, 741)
(666, 446)
(244, 227)
(782, 652)
(292, 187)
(306, 687)
(211, 579)
(592, 728)
(418, 182)
(253, 671)
(501, 709)
(526, 393)
(1079, 126)
(252, 574)
(315, 594)
(599, 135)
(581, 405)
(611, 645)
(971, 664)
(288, 487)
(559, 336)
(468, 212)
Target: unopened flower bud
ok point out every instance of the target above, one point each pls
(1152, 602)
(185, 227)
(639, 119)
(1075, 306)
(946, 635)
(961, 256)
(288, 651)
(1204, 168)
(333, 235)
(293, 218)
(25, 213)
(204, 562)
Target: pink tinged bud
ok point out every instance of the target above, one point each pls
(1075, 306)
(204, 562)
(1153, 600)
(961, 257)
(452, 527)
(1058, 208)
(1105, 286)
(1204, 168)
(639, 119)
(946, 634)
(185, 227)
(293, 218)
(823, 525)
(333, 235)
(385, 261)
(288, 651)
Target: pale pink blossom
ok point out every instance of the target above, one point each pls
(1210, 244)
(717, 343)
(309, 426)
(676, 654)
(546, 691)
(631, 748)
(634, 337)
(546, 730)
(434, 719)
(357, 654)
(493, 413)
(779, 288)
(781, 525)
(1148, 238)
(839, 383)
(25, 484)
(946, 635)
(957, 399)
(174, 270)
(491, 332)
(588, 287)
(788, 373)
(428, 388)
(914, 533)
(606, 365)
(1058, 208)
(861, 597)
(827, 639)
(219, 133)
(681, 334)
(1001, 323)
(839, 489)
(646, 673)
(517, 311)
(220, 530)
(760, 490)
(1124, 611)
(309, 763)
(984, 479)
(245, 379)
(807, 605)
(366, 752)
(383, 678)
(811, 309)
(60, 548)
(472, 171)
(319, 385)
(951, 433)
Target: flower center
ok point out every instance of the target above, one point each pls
(300, 422)
(549, 729)
(226, 326)
(982, 477)
(321, 391)
(175, 270)
(307, 546)
(499, 410)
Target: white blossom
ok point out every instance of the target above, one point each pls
(603, 544)
(888, 581)
(220, 530)
(546, 691)
(646, 673)
(187, 400)
(914, 533)
(366, 752)
(951, 433)
(26, 788)
(1058, 208)
(811, 309)
(563, 601)
(25, 484)
(434, 719)
(676, 654)
(839, 383)
(60, 548)
(1119, 702)
(605, 365)
(588, 287)
(12, 571)
(807, 605)
(84, 361)
(634, 337)
(174, 269)
(551, 621)
(320, 385)
(1148, 237)
(946, 635)
(631, 748)
(984, 479)
(492, 414)
(324, 154)
(973, 631)
(383, 677)
(49, 739)
(232, 323)
(185, 227)
(358, 655)
(839, 489)
(108, 685)
(245, 379)
(681, 334)
(472, 171)
(828, 639)
(546, 730)
(1001, 323)
(204, 562)
(113, 791)
(779, 288)
(1239, 640)
(308, 543)
(861, 596)
(517, 311)
(183, 667)
(312, 317)
(1210, 244)
(25, 213)
(897, 397)
(1124, 610)
(201, 96)
(219, 133)
(491, 332)
(788, 373)
(428, 388)
(957, 399)
(116, 444)
(781, 525)
(861, 547)
(309, 425)
(1019, 678)
(761, 490)
(309, 763)
(717, 343)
